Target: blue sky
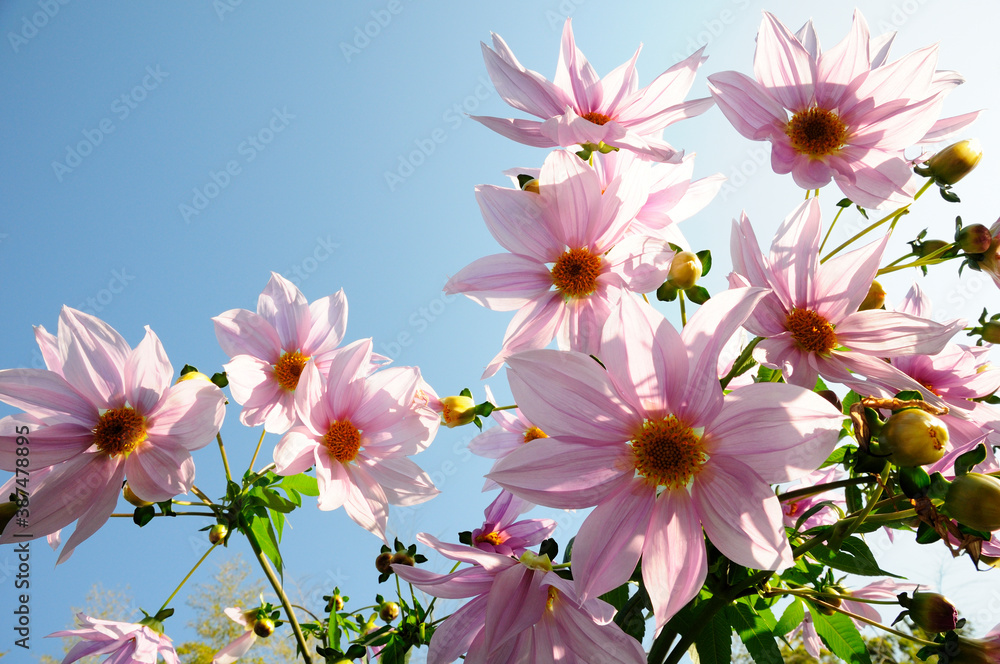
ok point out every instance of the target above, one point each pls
(161, 159)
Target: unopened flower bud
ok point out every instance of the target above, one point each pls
(974, 239)
(388, 612)
(383, 561)
(991, 332)
(932, 612)
(532, 186)
(685, 270)
(336, 603)
(401, 558)
(913, 437)
(875, 298)
(193, 375)
(832, 596)
(931, 246)
(974, 500)
(217, 533)
(132, 498)
(457, 410)
(264, 627)
(954, 162)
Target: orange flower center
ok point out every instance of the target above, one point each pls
(811, 331)
(492, 538)
(816, 132)
(668, 453)
(534, 433)
(119, 431)
(289, 368)
(596, 118)
(575, 273)
(550, 602)
(343, 440)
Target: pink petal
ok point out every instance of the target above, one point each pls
(366, 503)
(515, 603)
(329, 322)
(947, 127)
(346, 378)
(647, 111)
(575, 76)
(548, 471)
(49, 347)
(94, 356)
(285, 308)
(294, 453)
(534, 326)
(844, 281)
(235, 649)
(455, 635)
(782, 432)
(502, 282)
(333, 479)
(837, 68)
(889, 333)
(402, 481)
(609, 543)
(107, 480)
(50, 444)
(41, 393)
(642, 262)
(467, 582)
(490, 562)
(528, 132)
(189, 414)
(523, 89)
(148, 373)
(741, 514)
(159, 472)
(783, 65)
(571, 200)
(674, 564)
(592, 642)
(751, 109)
(242, 332)
(513, 218)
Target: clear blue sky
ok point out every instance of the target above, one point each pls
(160, 159)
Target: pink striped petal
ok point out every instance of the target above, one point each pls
(294, 453)
(42, 393)
(502, 282)
(674, 560)
(513, 218)
(403, 482)
(333, 480)
(523, 89)
(107, 480)
(515, 603)
(188, 414)
(534, 326)
(94, 357)
(888, 333)
(528, 132)
(284, 306)
(148, 373)
(159, 472)
(366, 503)
(328, 317)
(783, 65)
(455, 635)
(753, 112)
(242, 332)
(838, 68)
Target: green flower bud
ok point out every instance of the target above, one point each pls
(132, 498)
(932, 612)
(217, 533)
(954, 162)
(383, 561)
(685, 270)
(913, 437)
(974, 500)
(388, 611)
(263, 627)
(930, 246)
(401, 558)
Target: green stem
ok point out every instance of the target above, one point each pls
(225, 459)
(280, 592)
(740, 361)
(201, 494)
(254, 457)
(875, 623)
(891, 517)
(822, 488)
(890, 217)
(171, 514)
(858, 520)
(808, 594)
(930, 259)
(830, 230)
(505, 407)
(181, 584)
(680, 298)
(263, 471)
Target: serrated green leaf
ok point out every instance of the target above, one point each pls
(705, 256)
(835, 457)
(853, 557)
(841, 636)
(698, 294)
(754, 633)
(302, 483)
(714, 642)
(266, 539)
(791, 618)
(278, 519)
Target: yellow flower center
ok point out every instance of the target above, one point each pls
(492, 538)
(289, 368)
(575, 273)
(553, 593)
(811, 332)
(534, 433)
(668, 453)
(343, 440)
(119, 431)
(816, 132)
(596, 118)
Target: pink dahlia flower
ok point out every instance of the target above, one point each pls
(268, 349)
(569, 259)
(502, 533)
(810, 322)
(241, 644)
(851, 114)
(104, 413)
(887, 589)
(990, 264)
(794, 509)
(123, 642)
(358, 429)
(661, 452)
(520, 611)
(580, 108)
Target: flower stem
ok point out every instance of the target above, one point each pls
(201, 494)
(874, 623)
(280, 592)
(858, 520)
(930, 259)
(254, 457)
(225, 459)
(740, 361)
(830, 230)
(181, 584)
(680, 298)
(808, 594)
(822, 488)
(172, 514)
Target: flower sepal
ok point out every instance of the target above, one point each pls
(155, 622)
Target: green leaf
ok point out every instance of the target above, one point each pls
(484, 409)
(617, 597)
(841, 636)
(845, 203)
(855, 499)
(854, 557)
(835, 457)
(791, 618)
(914, 481)
(279, 522)
(666, 292)
(753, 631)
(909, 395)
(705, 256)
(698, 294)
(466, 392)
(715, 642)
(272, 500)
(926, 534)
(812, 510)
(949, 195)
(766, 375)
(966, 462)
(266, 539)
(188, 369)
(302, 483)
(143, 515)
